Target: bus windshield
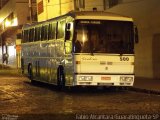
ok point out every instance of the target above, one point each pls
(104, 37)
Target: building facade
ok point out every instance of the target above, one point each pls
(13, 14)
(145, 13)
(52, 8)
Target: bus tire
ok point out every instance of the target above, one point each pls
(22, 65)
(30, 74)
(60, 77)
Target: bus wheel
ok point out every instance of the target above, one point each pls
(60, 77)
(30, 75)
(22, 65)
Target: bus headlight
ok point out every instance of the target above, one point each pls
(126, 79)
(85, 78)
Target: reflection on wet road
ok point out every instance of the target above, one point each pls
(19, 97)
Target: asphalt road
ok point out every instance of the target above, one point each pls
(19, 99)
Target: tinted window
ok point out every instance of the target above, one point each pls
(44, 32)
(61, 29)
(25, 36)
(52, 31)
(31, 35)
(104, 37)
(37, 33)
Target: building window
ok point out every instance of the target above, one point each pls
(40, 7)
(79, 4)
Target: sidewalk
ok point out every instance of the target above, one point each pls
(9, 71)
(147, 85)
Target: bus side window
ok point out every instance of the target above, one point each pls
(52, 31)
(29, 40)
(31, 35)
(49, 31)
(36, 34)
(39, 33)
(42, 33)
(26, 35)
(46, 32)
(61, 29)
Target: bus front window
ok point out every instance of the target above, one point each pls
(104, 37)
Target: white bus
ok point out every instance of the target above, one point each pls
(80, 49)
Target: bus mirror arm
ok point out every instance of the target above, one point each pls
(136, 35)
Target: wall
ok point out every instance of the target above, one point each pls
(22, 13)
(7, 9)
(146, 15)
(19, 9)
(90, 4)
(55, 8)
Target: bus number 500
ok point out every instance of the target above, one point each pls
(124, 58)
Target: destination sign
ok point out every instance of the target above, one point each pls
(90, 22)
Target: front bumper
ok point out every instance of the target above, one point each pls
(104, 80)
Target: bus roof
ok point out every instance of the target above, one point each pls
(99, 15)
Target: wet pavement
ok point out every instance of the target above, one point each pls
(19, 99)
(148, 84)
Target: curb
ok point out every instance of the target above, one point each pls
(142, 90)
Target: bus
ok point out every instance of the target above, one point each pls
(86, 48)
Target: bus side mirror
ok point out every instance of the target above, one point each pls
(68, 26)
(67, 31)
(136, 35)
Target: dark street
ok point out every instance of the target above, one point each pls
(19, 98)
